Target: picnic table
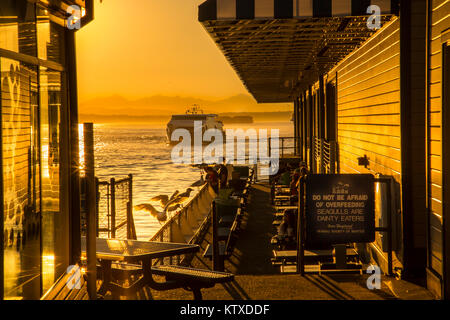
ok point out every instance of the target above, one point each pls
(109, 251)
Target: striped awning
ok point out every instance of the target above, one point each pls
(289, 9)
(278, 47)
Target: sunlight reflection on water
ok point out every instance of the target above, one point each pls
(142, 151)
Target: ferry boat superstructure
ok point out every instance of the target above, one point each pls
(187, 121)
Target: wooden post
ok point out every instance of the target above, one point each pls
(131, 229)
(269, 145)
(91, 204)
(97, 204)
(113, 208)
(340, 254)
(75, 202)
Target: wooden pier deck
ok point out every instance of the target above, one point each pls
(257, 279)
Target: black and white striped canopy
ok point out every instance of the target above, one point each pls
(288, 9)
(279, 46)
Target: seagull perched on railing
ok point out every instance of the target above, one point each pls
(199, 183)
(182, 196)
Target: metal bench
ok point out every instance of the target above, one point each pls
(192, 279)
(70, 286)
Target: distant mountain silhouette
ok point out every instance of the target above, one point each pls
(161, 105)
(278, 116)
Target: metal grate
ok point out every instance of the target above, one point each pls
(114, 209)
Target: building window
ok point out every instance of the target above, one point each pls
(32, 100)
(21, 215)
(18, 26)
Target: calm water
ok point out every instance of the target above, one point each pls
(142, 151)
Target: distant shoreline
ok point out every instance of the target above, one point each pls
(276, 116)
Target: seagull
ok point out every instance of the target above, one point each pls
(162, 215)
(199, 183)
(182, 196)
(176, 193)
(163, 198)
(200, 166)
(174, 207)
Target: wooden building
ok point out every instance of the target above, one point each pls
(367, 99)
(39, 189)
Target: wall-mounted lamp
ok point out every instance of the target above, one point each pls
(363, 161)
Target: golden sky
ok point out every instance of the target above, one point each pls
(140, 48)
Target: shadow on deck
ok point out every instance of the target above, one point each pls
(257, 279)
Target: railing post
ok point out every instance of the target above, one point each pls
(282, 147)
(113, 208)
(90, 199)
(131, 229)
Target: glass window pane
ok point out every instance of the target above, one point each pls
(19, 98)
(52, 220)
(50, 37)
(18, 26)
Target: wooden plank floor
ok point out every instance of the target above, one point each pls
(256, 278)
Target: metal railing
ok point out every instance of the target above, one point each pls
(324, 156)
(287, 146)
(193, 216)
(115, 209)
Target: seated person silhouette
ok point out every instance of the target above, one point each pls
(287, 231)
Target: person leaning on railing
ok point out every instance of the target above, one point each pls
(223, 176)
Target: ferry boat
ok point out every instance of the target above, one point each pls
(187, 121)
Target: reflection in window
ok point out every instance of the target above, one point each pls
(50, 37)
(19, 92)
(18, 26)
(50, 110)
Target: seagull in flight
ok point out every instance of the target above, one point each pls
(171, 204)
(164, 199)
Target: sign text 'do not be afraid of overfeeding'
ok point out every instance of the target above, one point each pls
(340, 209)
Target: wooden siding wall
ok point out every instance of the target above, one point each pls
(439, 21)
(368, 111)
(368, 114)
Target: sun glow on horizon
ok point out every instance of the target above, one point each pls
(148, 47)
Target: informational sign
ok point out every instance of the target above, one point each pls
(340, 209)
